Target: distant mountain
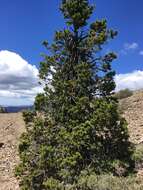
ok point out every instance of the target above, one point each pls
(15, 109)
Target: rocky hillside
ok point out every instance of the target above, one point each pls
(11, 127)
(132, 110)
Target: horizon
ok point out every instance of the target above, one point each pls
(24, 25)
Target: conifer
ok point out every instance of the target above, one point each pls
(76, 127)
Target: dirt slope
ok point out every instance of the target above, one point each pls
(11, 127)
(132, 108)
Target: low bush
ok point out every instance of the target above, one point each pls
(95, 182)
(123, 94)
(138, 156)
(108, 182)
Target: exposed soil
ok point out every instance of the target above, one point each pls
(132, 108)
(11, 127)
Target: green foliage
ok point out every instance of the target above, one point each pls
(76, 12)
(51, 184)
(124, 94)
(76, 126)
(100, 182)
(41, 102)
(108, 182)
(28, 116)
(138, 154)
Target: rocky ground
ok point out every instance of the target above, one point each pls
(132, 109)
(11, 127)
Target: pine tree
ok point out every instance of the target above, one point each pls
(76, 126)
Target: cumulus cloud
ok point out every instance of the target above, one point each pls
(133, 81)
(18, 79)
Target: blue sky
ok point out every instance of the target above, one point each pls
(26, 23)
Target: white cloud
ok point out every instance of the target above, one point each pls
(131, 46)
(141, 52)
(18, 79)
(133, 81)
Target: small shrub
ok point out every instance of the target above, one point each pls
(51, 184)
(138, 156)
(108, 182)
(123, 94)
(98, 182)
